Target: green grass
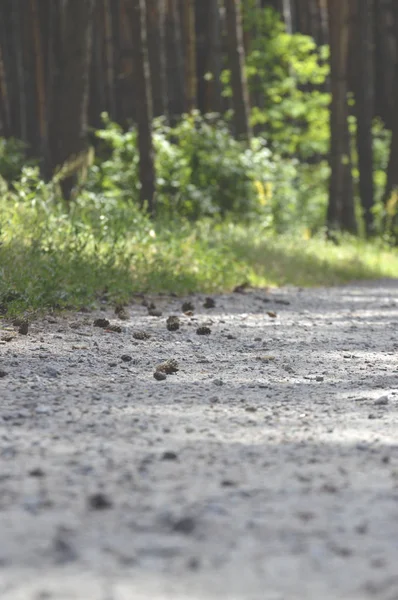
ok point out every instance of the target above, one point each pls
(44, 266)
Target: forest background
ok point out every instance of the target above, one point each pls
(185, 145)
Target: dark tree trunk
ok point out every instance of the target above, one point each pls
(144, 108)
(109, 57)
(364, 106)
(341, 213)
(41, 96)
(392, 169)
(69, 118)
(157, 55)
(5, 120)
(175, 62)
(236, 56)
(126, 83)
(18, 43)
(189, 45)
(209, 56)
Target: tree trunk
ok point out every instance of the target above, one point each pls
(341, 213)
(385, 57)
(71, 98)
(127, 87)
(174, 62)
(109, 58)
(392, 169)
(189, 44)
(5, 121)
(236, 57)
(41, 97)
(155, 11)
(20, 70)
(216, 58)
(144, 108)
(364, 106)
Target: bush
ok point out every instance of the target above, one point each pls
(202, 171)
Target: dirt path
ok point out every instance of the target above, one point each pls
(265, 468)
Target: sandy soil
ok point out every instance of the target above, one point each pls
(265, 468)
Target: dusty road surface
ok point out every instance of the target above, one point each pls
(264, 468)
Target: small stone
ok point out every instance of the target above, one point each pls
(362, 528)
(8, 337)
(63, 550)
(169, 455)
(52, 372)
(184, 525)
(209, 303)
(218, 382)
(141, 335)
(272, 314)
(382, 401)
(203, 330)
(37, 472)
(3, 373)
(193, 563)
(240, 289)
(329, 488)
(126, 358)
(23, 328)
(187, 307)
(121, 312)
(169, 367)
(228, 483)
(159, 376)
(319, 378)
(101, 323)
(99, 501)
(114, 328)
(173, 323)
(43, 409)
(154, 312)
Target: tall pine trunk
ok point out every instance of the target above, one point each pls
(392, 169)
(40, 82)
(70, 109)
(341, 213)
(143, 108)
(189, 45)
(236, 57)
(155, 17)
(364, 100)
(174, 61)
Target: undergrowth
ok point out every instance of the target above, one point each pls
(55, 264)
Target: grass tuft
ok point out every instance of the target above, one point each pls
(68, 268)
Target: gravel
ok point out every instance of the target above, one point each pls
(265, 468)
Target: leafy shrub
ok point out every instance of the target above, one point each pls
(202, 171)
(12, 158)
(287, 73)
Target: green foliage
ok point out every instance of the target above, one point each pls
(286, 74)
(202, 171)
(12, 158)
(106, 248)
(51, 259)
